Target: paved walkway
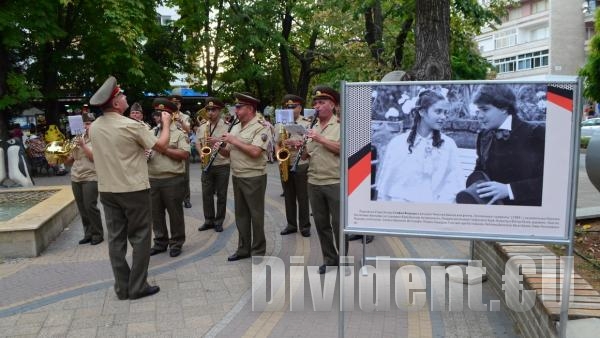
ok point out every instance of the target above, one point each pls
(67, 291)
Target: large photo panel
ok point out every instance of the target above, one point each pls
(467, 159)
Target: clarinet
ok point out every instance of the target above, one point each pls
(301, 150)
(216, 152)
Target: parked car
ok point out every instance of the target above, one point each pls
(590, 127)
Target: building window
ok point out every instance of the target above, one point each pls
(539, 6)
(522, 62)
(532, 60)
(506, 38)
(539, 33)
(515, 13)
(505, 65)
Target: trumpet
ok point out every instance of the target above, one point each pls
(283, 155)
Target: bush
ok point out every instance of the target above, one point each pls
(585, 140)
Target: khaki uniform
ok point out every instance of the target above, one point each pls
(119, 144)
(295, 188)
(84, 183)
(166, 192)
(324, 190)
(216, 179)
(249, 184)
(186, 184)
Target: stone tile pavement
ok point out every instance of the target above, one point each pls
(67, 291)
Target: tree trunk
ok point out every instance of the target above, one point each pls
(374, 31)
(3, 91)
(400, 41)
(49, 84)
(432, 36)
(284, 56)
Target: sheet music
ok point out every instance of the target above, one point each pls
(284, 116)
(76, 125)
(295, 129)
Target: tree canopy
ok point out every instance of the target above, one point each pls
(51, 49)
(591, 70)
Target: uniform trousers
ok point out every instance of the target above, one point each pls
(186, 187)
(167, 193)
(128, 218)
(215, 181)
(325, 204)
(86, 197)
(295, 191)
(249, 196)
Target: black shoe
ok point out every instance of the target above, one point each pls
(305, 233)
(149, 291)
(187, 204)
(219, 228)
(370, 239)
(354, 237)
(97, 241)
(282, 195)
(85, 241)
(287, 231)
(205, 227)
(154, 251)
(174, 252)
(322, 269)
(236, 257)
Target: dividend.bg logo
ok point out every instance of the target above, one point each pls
(376, 289)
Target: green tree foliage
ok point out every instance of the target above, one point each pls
(51, 49)
(591, 70)
(64, 48)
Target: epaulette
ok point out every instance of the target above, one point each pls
(145, 124)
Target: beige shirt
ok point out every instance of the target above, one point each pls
(324, 166)
(83, 170)
(162, 166)
(213, 131)
(185, 118)
(295, 136)
(253, 133)
(118, 147)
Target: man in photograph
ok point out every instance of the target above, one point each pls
(510, 152)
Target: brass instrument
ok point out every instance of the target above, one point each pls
(202, 116)
(283, 155)
(57, 152)
(206, 150)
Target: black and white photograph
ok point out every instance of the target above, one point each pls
(459, 143)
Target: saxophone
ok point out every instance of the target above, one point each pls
(206, 149)
(283, 155)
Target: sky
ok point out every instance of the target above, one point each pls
(171, 11)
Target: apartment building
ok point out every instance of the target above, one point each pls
(540, 39)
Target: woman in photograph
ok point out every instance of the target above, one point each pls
(421, 165)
